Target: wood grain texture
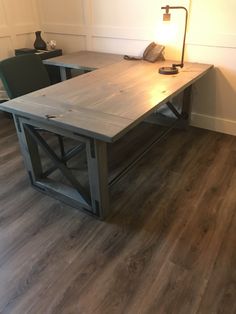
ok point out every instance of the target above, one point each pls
(85, 60)
(168, 248)
(107, 103)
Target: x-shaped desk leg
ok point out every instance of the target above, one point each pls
(96, 200)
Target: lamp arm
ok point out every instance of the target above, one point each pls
(185, 30)
(184, 39)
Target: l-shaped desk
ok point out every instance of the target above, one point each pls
(94, 109)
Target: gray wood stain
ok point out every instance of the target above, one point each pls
(105, 104)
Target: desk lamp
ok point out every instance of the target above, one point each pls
(166, 17)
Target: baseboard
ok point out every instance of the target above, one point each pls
(213, 123)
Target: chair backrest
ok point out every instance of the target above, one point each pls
(23, 74)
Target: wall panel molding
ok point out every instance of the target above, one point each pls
(11, 29)
(9, 22)
(5, 31)
(87, 12)
(15, 34)
(100, 31)
(137, 33)
(25, 29)
(66, 29)
(224, 40)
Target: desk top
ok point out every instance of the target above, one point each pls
(106, 103)
(86, 60)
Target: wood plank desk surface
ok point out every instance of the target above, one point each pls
(106, 103)
(86, 60)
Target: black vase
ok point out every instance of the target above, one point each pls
(39, 43)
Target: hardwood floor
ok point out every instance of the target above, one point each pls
(169, 247)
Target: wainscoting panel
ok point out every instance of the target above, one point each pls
(68, 12)
(19, 21)
(69, 43)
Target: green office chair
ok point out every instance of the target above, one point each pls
(24, 74)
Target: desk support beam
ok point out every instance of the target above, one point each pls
(187, 104)
(182, 117)
(63, 73)
(29, 150)
(98, 176)
(96, 200)
(182, 120)
(127, 168)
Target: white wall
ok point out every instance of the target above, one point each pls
(212, 39)
(18, 22)
(127, 26)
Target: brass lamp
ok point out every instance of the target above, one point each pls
(166, 17)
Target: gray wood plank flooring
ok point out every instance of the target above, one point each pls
(169, 246)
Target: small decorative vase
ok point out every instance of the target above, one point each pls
(39, 43)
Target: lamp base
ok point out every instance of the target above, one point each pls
(168, 70)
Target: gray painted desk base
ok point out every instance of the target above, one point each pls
(94, 201)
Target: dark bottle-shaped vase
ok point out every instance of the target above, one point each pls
(39, 43)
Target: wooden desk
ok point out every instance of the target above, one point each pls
(83, 60)
(97, 108)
